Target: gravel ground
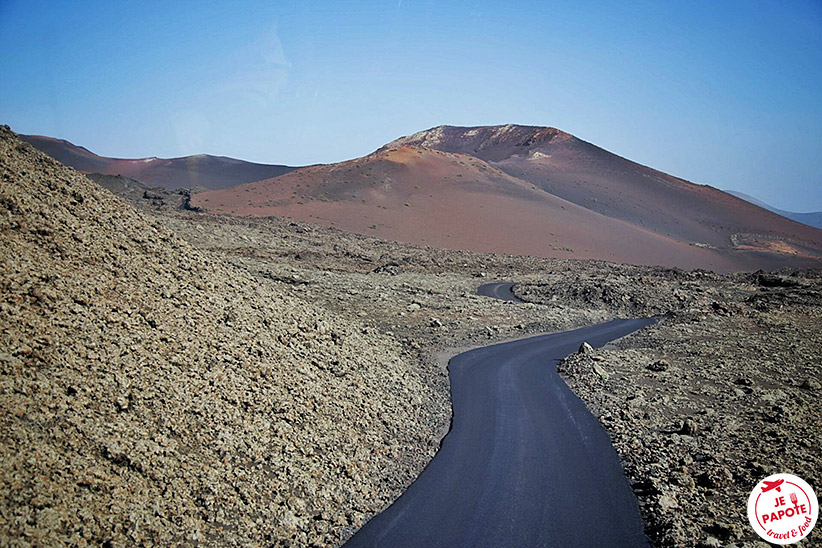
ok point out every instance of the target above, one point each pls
(155, 394)
(721, 393)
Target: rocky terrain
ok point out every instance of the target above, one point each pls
(721, 393)
(171, 375)
(152, 393)
(732, 357)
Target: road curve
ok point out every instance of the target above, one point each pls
(524, 465)
(498, 290)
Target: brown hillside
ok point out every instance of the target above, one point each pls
(199, 171)
(151, 394)
(456, 201)
(596, 179)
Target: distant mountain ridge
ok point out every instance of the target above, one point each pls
(527, 190)
(813, 219)
(199, 171)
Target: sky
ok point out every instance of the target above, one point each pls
(722, 93)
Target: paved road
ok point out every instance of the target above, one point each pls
(524, 465)
(498, 290)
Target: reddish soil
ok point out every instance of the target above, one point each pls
(596, 179)
(457, 201)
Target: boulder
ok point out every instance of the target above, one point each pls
(585, 349)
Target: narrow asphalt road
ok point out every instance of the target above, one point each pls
(524, 465)
(498, 290)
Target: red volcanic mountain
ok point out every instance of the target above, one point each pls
(200, 171)
(582, 173)
(527, 190)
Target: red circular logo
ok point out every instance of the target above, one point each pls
(783, 509)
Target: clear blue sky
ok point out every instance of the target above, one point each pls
(722, 93)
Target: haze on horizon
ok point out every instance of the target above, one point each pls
(725, 95)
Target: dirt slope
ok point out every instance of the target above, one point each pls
(456, 201)
(154, 394)
(199, 171)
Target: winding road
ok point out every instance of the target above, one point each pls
(498, 290)
(524, 465)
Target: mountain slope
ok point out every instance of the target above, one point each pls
(452, 201)
(152, 394)
(200, 171)
(813, 219)
(596, 179)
